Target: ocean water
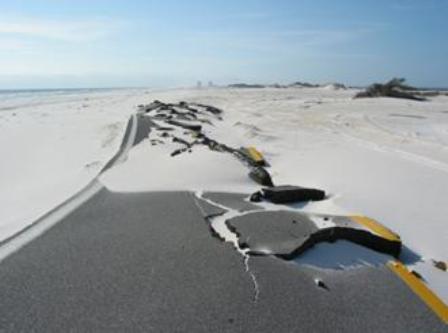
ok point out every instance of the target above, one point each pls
(14, 99)
(22, 92)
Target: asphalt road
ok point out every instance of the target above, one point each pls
(148, 262)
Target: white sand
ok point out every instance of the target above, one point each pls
(52, 145)
(384, 158)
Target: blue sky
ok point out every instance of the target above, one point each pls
(99, 43)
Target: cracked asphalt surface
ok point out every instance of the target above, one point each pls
(148, 262)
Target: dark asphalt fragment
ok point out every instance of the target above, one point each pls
(155, 142)
(256, 197)
(189, 108)
(417, 275)
(261, 176)
(289, 194)
(212, 144)
(192, 127)
(287, 234)
(163, 128)
(321, 284)
(153, 106)
(209, 108)
(440, 265)
(213, 110)
(179, 151)
(182, 141)
(163, 117)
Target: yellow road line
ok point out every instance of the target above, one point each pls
(420, 289)
(255, 155)
(376, 227)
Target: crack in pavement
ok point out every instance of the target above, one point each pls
(219, 226)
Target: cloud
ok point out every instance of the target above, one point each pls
(62, 30)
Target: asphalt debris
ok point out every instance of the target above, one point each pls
(288, 234)
(321, 284)
(189, 117)
(289, 194)
(440, 265)
(261, 176)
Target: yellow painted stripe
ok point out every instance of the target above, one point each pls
(255, 154)
(376, 227)
(420, 289)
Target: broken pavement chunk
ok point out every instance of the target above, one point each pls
(209, 108)
(256, 197)
(287, 234)
(192, 127)
(154, 105)
(261, 176)
(272, 233)
(181, 141)
(213, 110)
(440, 265)
(321, 284)
(178, 152)
(288, 193)
(253, 156)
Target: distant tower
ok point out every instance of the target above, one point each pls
(199, 85)
(210, 84)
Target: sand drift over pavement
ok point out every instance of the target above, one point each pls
(53, 145)
(383, 158)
